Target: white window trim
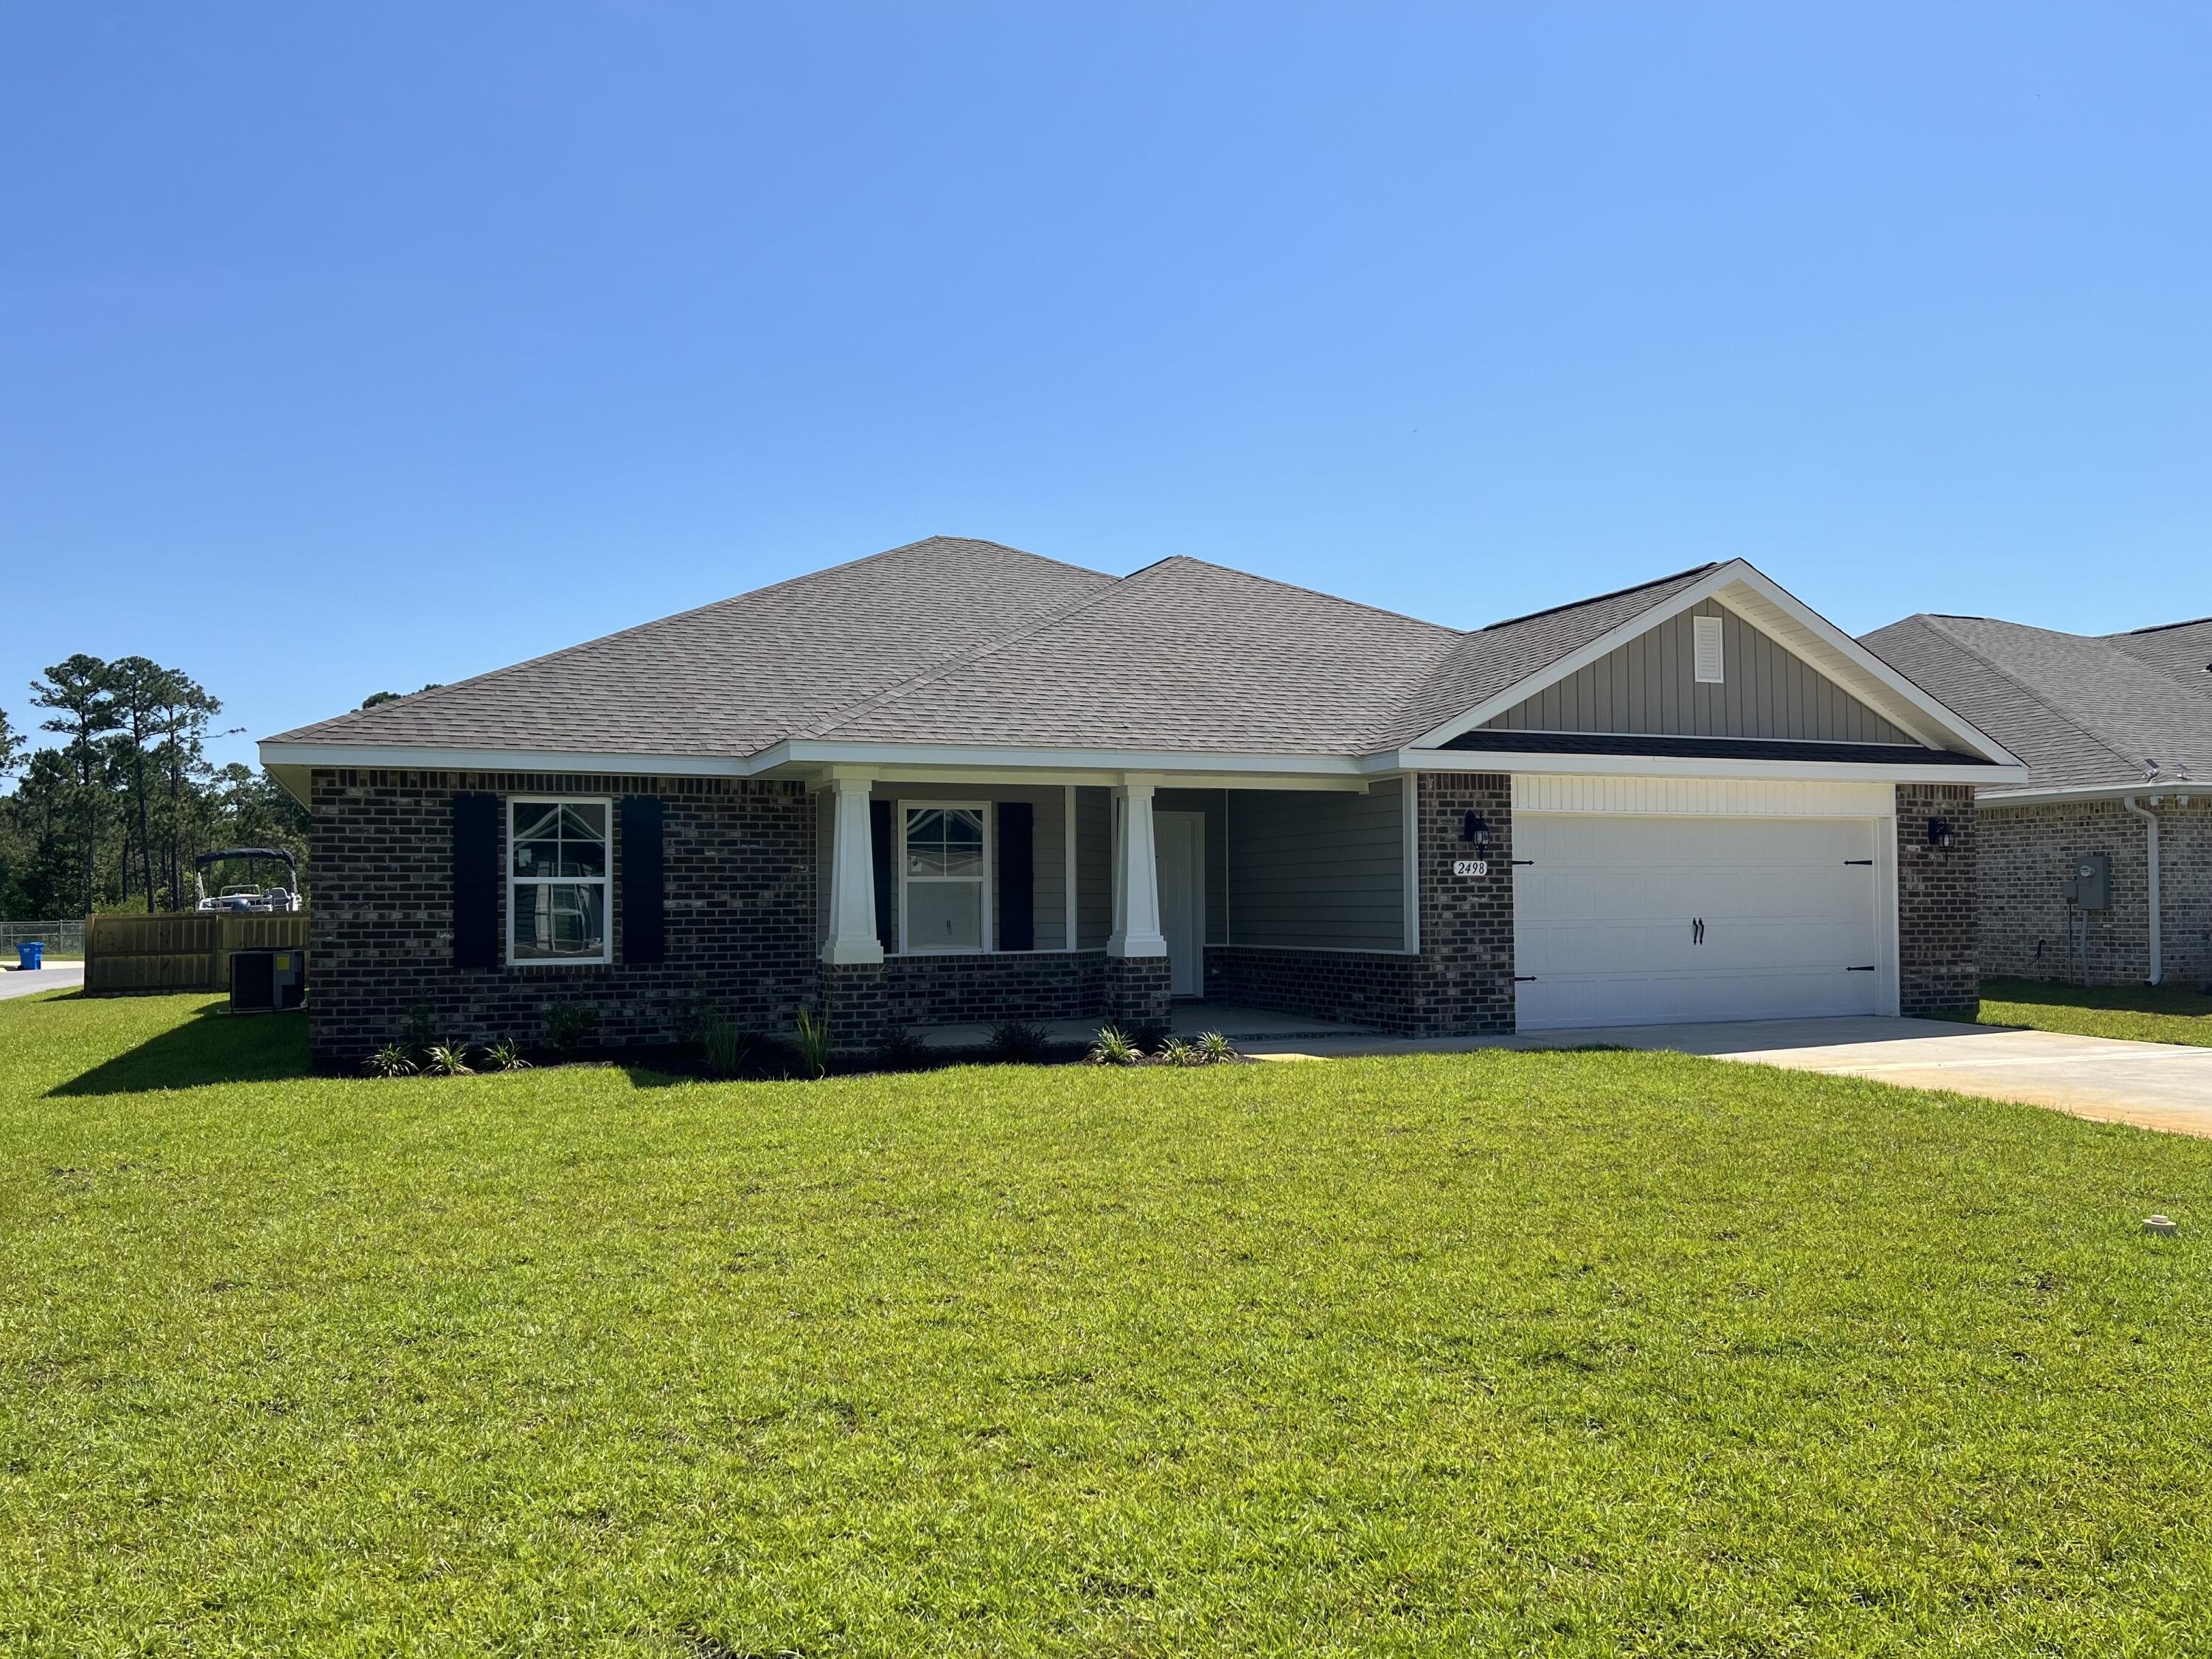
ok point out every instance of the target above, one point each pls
(988, 880)
(606, 882)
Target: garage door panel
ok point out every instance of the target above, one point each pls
(1604, 906)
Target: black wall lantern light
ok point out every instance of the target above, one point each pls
(1940, 834)
(1474, 829)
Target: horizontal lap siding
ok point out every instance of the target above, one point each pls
(1213, 804)
(1316, 869)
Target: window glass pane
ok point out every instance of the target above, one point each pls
(554, 920)
(924, 859)
(560, 839)
(944, 915)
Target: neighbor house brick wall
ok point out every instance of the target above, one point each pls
(1459, 983)
(739, 903)
(2027, 854)
(1938, 916)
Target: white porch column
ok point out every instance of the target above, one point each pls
(852, 874)
(1136, 876)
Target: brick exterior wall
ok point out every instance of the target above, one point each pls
(1938, 905)
(2028, 852)
(1459, 984)
(1140, 994)
(1019, 985)
(739, 903)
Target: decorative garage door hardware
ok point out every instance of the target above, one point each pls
(1696, 930)
(1869, 969)
(1865, 861)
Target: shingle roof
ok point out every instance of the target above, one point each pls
(1181, 655)
(735, 677)
(949, 641)
(2080, 710)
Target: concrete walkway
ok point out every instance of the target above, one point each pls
(56, 976)
(2157, 1085)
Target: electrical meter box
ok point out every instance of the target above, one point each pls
(2090, 885)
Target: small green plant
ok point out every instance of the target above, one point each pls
(722, 1040)
(1017, 1040)
(813, 1043)
(450, 1058)
(1114, 1047)
(390, 1060)
(1176, 1052)
(571, 1025)
(505, 1056)
(901, 1051)
(1217, 1048)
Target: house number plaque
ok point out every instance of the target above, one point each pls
(1470, 866)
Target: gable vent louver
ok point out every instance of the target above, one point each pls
(1707, 633)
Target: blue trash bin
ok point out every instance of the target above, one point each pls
(30, 954)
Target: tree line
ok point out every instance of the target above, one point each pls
(112, 816)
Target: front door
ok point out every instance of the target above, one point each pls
(1179, 843)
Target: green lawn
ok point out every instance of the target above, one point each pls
(1577, 1353)
(2163, 1013)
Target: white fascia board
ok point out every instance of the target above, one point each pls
(2089, 792)
(1001, 757)
(388, 756)
(1926, 707)
(1902, 693)
(1677, 766)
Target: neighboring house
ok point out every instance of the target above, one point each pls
(2116, 730)
(956, 782)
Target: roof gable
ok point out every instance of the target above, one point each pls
(1648, 685)
(1778, 615)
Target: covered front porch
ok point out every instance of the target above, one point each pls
(950, 901)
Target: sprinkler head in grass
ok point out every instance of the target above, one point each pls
(2159, 1223)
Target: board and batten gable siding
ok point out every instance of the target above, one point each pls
(1317, 870)
(1648, 687)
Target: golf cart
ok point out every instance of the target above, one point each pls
(249, 898)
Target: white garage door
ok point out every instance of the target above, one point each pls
(1642, 920)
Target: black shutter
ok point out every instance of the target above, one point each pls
(475, 881)
(1016, 876)
(645, 933)
(880, 854)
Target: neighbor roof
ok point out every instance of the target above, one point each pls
(956, 641)
(2081, 710)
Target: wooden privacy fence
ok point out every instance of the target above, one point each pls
(187, 952)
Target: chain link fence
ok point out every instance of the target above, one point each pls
(61, 938)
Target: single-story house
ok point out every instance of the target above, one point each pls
(2116, 731)
(956, 781)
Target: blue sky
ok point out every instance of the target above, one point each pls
(345, 349)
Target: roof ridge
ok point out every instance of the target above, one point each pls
(1595, 599)
(968, 657)
(2157, 627)
(2014, 680)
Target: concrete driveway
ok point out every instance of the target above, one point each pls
(2158, 1085)
(61, 977)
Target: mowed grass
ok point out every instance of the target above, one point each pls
(2146, 1013)
(1567, 1353)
